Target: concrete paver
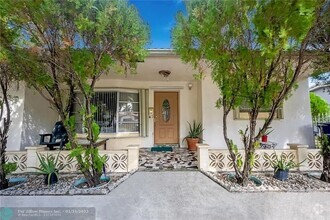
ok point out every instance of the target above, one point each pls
(185, 195)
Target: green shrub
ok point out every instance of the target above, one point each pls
(10, 167)
(319, 106)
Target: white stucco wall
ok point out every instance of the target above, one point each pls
(187, 107)
(38, 118)
(296, 127)
(17, 107)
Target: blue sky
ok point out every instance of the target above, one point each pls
(160, 16)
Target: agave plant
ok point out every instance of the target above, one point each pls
(49, 166)
(193, 137)
(195, 130)
(284, 163)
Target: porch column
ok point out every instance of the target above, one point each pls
(301, 155)
(132, 157)
(31, 157)
(203, 156)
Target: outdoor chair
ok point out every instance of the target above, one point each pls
(58, 137)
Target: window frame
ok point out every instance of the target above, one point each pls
(244, 115)
(117, 133)
(117, 114)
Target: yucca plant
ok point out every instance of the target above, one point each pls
(50, 167)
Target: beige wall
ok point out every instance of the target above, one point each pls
(33, 116)
(296, 127)
(17, 93)
(188, 107)
(38, 118)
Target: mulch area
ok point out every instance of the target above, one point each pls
(297, 182)
(34, 185)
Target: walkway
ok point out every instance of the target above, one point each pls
(180, 158)
(184, 195)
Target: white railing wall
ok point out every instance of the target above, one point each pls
(219, 159)
(124, 160)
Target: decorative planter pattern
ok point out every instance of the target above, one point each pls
(19, 157)
(220, 160)
(117, 160)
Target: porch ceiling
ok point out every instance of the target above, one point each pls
(149, 68)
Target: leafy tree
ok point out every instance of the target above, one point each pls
(319, 107)
(7, 78)
(256, 51)
(320, 45)
(66, 46)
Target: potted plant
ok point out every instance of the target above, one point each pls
(282, 166)
(264, 137)
(324, 141)
(50, 167)
(9, 167)
(195, 131)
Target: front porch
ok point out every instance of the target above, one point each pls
(179, 158)
(214, 163)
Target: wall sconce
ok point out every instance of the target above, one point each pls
(190, 85)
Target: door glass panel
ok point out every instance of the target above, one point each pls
(166, 110)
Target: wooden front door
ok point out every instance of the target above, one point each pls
(166, 121)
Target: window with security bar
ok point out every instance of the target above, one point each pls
(117, 112)
(242, 112)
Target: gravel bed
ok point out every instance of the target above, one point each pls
(34, 186)
(297, 182)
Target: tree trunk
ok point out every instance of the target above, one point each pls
(3, 146)
(249, 148)
(3, 180)
(325, 176)
(4, 129)
(231, 151)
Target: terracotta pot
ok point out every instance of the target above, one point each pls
(264, 138)
(192, 142)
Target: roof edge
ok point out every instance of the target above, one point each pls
(312, 89)
(161, 52)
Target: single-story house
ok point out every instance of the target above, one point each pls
(154, 106)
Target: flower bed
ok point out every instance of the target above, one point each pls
(296, 182)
